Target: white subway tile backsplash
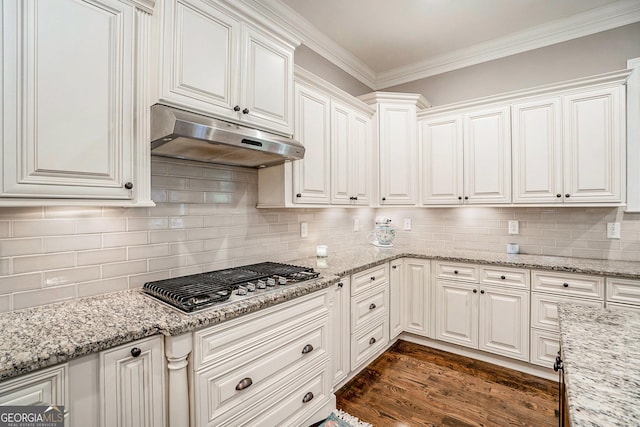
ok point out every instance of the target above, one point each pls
(20, 282)
(5, 230)
(156, 264)
(124, 268)
(138, 224)
(100, 225)
(6, 303)
(71, 275)
(148, 251)
(111, 240)
(43, 227)
(13, 247)
(33, 263)
(101, 256)
(99, 287)
(43, 296)
(71, 243)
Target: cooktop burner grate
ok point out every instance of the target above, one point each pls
(198, 291)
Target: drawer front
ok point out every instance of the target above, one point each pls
(229, 340)
(45, 387)
(369, 278)
(544, 309)
(226, 386)
(624, 307)
(624, 291)
(368, 306)
(456, 271)
(568, 284)
(504, 276)
(368, 342)
(544, 347)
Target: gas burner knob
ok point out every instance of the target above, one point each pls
(261, 284)
(241, 291)
(251, 287)
(282, 280)
(271, 282)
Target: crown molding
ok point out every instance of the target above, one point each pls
(145, 5)
(396, 97)
(583, 24)
(316, 40)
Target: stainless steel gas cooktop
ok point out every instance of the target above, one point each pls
(198, 291)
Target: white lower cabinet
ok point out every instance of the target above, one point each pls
(623, 294)
(45, 387)
(397, 299)
(417, 297)
(483, 316)
(339, 306)
(271, 367)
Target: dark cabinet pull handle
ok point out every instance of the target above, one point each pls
(482, 292)
(502, 277)
(135, 352)
(567, 195)
(245, 111)
(394, 266)
(475, 291)
(236, 108)
(298, 195)
(340, 284)
(307, 349)
(351, 198)
(466, 197)
(557, 365)
(373, 278)
(455, 271)
(372, 306)
(558, 195)
(128, 185)
(307, 397)
(565, 284)
(355, 198)
(244, 383)
(384, 198)
(372, 341)
(459, 197)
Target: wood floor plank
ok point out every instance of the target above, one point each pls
(412, 385)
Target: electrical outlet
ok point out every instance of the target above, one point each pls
(613, 230)
(407, 224)
(356, 224)
(304, 229)
(514, 227)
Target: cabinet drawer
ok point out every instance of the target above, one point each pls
(624, 307)
(223, 387)
(505, 276)
(544, 309)
(568, 284)
(368, 278)
(545, 346)
(228, 340)
(456, 271)
(626, 291)
(368, 342)
(45, 387)
(367, 306)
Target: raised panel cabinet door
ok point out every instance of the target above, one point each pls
(442, 151)
(418, 296)
(537, 151)
(487, 156)
(312, 175)
(456, 308)
(397, 299)
(398, 154)
(132, 384)
(267, 85)
(361, 146)
(594, 134)
(200, 57)
(67, 98)
(339, 319)
(341, 158)
(504, 322)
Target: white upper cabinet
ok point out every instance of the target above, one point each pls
(216, 63)
(70, 111)
(350, 156)
(466, 158)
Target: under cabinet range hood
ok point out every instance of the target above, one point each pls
(185, 135)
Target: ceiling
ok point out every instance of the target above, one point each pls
(383, 42)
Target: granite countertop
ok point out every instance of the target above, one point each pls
(43, 336)
(601, 357)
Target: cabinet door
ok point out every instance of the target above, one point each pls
(456, 308)
(397, 299)
(416, 276)
(398, 154)
(267, 86)
(67, 98)
(594, 131)
(341, 160)
(537, 151)
(311, 176)
(200, 57)
(361, 181)
(504, 322)
(340, 302)
(487, 156)
(442, 151)
(132, 384)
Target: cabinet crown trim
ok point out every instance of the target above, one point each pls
(613, 77)
(145, 5)
(410, 98)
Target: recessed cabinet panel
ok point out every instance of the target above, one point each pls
(457, 313)
(537, 152)
(361, 181)
(504, 322)
(397, 298)
(68, 131)
(340, 156)
(418, 296)
(442, 160)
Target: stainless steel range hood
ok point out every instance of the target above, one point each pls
(185, 135)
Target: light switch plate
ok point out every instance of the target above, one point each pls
(613, 230)
(356, 224)
(304, 229)
(514, 227)
(407, 224)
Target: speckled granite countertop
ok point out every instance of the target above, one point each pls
(43, 336)
(601, 356)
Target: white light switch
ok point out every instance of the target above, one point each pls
(407, 224)
(613, 230)
(304, 229)
(514, 227)
(356, 224)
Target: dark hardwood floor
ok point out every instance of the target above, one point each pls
(412, 385)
